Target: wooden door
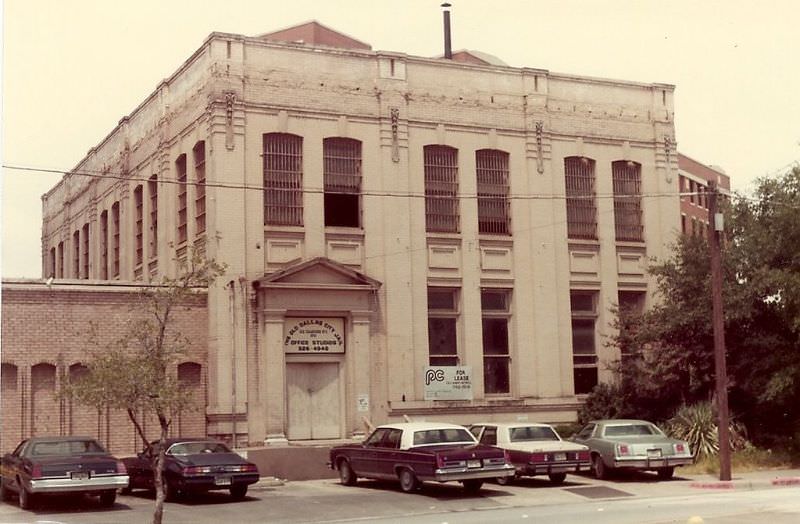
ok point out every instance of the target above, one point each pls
(313, 404)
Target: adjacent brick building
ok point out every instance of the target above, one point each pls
(379, 213)
(693, 183)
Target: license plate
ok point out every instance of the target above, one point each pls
(474, 463)
(560, 457)
(653, 453)
(79, 475)
(222, 481)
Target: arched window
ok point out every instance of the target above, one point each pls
(342, 174)
(581, 205)
(441, 189)
(283, 179)
(494, 210)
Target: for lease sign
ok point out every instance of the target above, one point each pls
(313, 335)
(448, 382)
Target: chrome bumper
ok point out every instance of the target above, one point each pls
(64, 485)
(444, 475)
(652, 463)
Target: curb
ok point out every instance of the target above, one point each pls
(786, 481)
(267, 482)
(747, 484)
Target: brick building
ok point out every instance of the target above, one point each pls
(380, 213)
(693, 180)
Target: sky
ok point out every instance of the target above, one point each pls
(71, 69)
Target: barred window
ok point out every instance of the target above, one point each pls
(441, 189)
(152, 190)
(584, 355)
(581, 207)
(104, 245)
(115, 239)
(283, 179)
(627, 181)
(180, 169)
(60, 260)
(342, 173)
(199, 153)
(442, 326)
(138, 200)
(52, 269)
(493, 190)
(85, 251)
(76, 254)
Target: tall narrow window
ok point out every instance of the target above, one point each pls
(627, 181)
(495, 308)
(60, 273)
(180, 169)
(494, 215)
(152, 190)
(52, 268)
(199, 152)
(631, 307)
(442, 326)
(115, 240)
(138, 201)
(584, 354)
(581, 207)
(342, 172)
(283, 179)
(104, 245)
(76, 254)
(85, 251)
(441, 189)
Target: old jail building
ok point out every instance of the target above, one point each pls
(379, 213)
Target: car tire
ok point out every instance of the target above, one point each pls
(108, 498)
(346, 474)
(26, 498)
(472, 485)
(171, 493)
(557, 478)
(505, 481)
(599, 468)
(238, 491)
(408, 480)
(665, 473)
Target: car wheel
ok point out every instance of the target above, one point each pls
(665, 473)
(473, 485)
(557, 478)
(505, 481)
(238, 491)
(171, 492)
(408, 481)
(107, 498)
(26, 498)
(599, 468)
(346, 474)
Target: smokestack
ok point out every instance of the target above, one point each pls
(448, 52)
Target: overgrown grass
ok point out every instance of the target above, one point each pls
(750, 459)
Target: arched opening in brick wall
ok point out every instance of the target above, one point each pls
(11, 431)
(191, 420)
(81, 418)
(45, 408)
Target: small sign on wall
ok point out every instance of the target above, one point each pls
(313, 335)
(448, 382)
(363, 403)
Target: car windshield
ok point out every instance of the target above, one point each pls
(195, 448)
(532, 433)
(66, 448)
(628, 430)
(443, 436)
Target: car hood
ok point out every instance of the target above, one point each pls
(210, 459)
(536, 446)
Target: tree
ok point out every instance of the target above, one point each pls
(670, 347)
(135, 372)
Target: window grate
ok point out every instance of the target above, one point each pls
(180, 166)
(627, 181)
(283, 179)
(580, 192)
(139, 202)
(152, 188)
(493, 190)
(199, 153)
(441, 189)
(115, 242)
(104, 245)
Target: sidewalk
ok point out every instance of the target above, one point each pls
(747, 480)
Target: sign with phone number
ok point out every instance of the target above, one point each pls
(448, 382)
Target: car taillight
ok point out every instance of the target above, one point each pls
(507, 456)
(538, 457)
(196, 470)
(439, 461)
(121, 467)
(623, 449)
(36, 471)
(680, 448)
(583, 455)
(247, 468)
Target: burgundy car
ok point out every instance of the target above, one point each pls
(48, 465)
(416, 452)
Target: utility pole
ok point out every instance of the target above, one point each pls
(715, 220)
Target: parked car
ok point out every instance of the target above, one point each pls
(534, 449)
(193, 465)
(415, 452)
(632, 444)
(47, 465)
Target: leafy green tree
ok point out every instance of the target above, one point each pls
(135, 372)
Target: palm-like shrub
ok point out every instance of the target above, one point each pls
(697, 424)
